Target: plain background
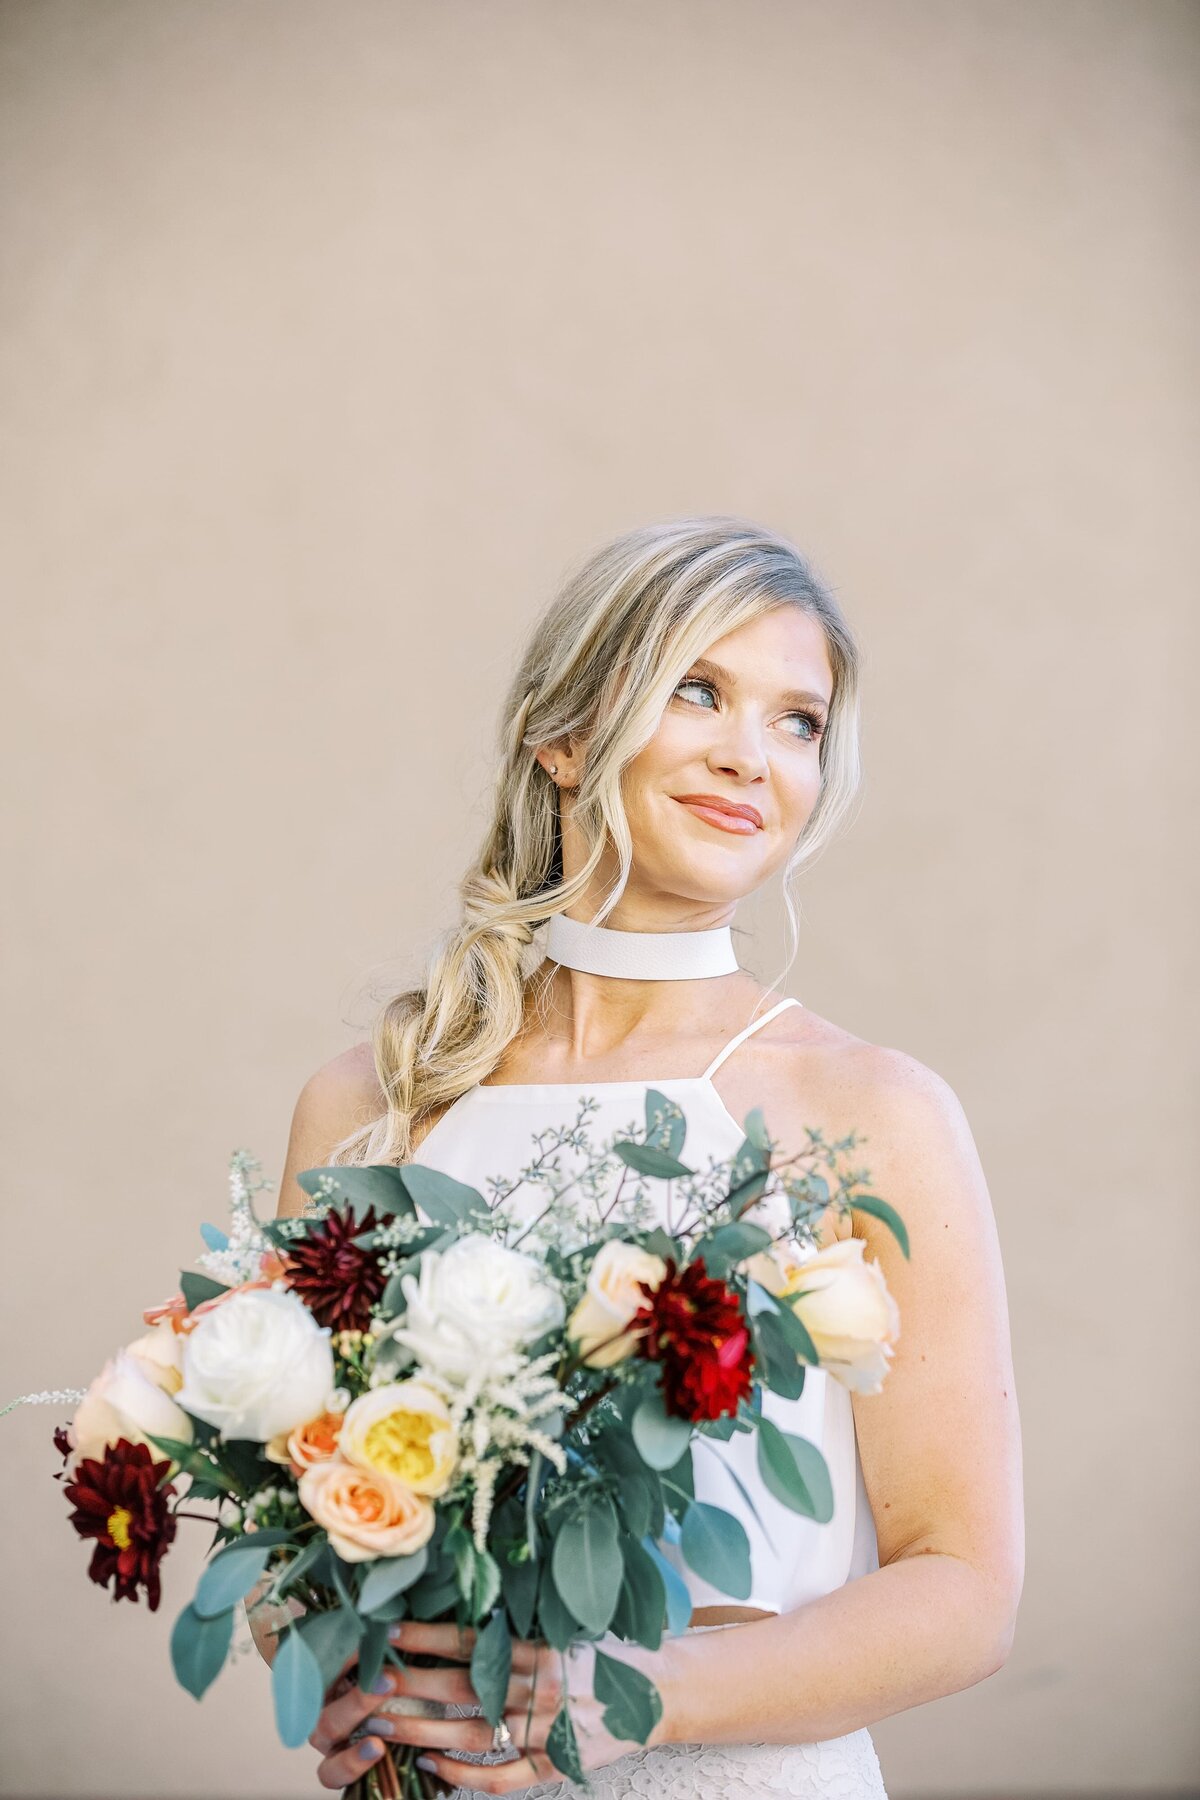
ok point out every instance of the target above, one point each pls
(333, 334)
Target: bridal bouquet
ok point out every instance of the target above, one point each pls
(415, 1402)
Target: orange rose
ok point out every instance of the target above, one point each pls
(366, 1514)
(313, 1442)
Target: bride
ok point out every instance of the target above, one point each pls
(682, 728)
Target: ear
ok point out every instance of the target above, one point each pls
(562, 761)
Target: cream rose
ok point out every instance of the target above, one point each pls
(474, 1302)
(610, 1300)
(132, 1398)
(844, 1303)
(366, 1514)
(402, 1429)
(257, 1365)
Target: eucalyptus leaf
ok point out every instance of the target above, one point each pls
(660, 1438)
(389, 1576)
(558, 1624)
(230, 1575)
(444, 1200)
(632, 1704)
(648, 1159)
(715, 1547)
(679, 1600)
(197, 1288)
(879, 1209)
(491, 1666)
(215, 1239)
(298, 1688)
(562, 1748)
(371, 1653)
(331, 1637)
(644, 1593)
(795, 1471)
(519, 1581)
(587, 1566)
(666, 1126)
(380, 1185)
(199, 1647)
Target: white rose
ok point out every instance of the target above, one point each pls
(131, 1398)
(474, 1302)
(257, 1365)
(610, 1300)
(848, 1311)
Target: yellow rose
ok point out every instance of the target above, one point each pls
(366, 1514)
(844, 1304)
(403, 1430)
(610, 1300)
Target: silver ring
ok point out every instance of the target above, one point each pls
(502, 1738)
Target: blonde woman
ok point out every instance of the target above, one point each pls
(682, 731)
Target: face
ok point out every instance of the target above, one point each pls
(741, 731)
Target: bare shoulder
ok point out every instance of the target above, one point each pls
(339, 1097)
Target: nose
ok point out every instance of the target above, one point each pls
(739, 752)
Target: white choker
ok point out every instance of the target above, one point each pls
(641, 955)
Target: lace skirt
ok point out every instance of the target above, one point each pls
(841, 1768)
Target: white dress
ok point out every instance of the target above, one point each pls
(485, 1138)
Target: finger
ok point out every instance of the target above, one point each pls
(454, 1642)
(434, 1684)
(494, 1778)
(345, 1766)
(350, 1706)
(437, 1733)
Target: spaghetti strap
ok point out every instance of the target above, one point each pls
(741, 1037)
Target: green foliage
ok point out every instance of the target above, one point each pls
(233, 1571)
(587, 1566)
(491, 1665)
(879, 1209)
(331, 1637)
(298, 1688)
(446, 1201)
(563, 1748)
(715, 1546)
(660, 1438)
(199, 1647)
(389, 1576)
(795, 1471)
(378, 1185)
(197, 1288)
(649, 1159)
(632, 1704)
(666, 1127)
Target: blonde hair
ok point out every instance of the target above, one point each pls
(601, 665)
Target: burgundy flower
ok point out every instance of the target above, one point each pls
(337, 1279)
(117, 1501)
(694, 1327)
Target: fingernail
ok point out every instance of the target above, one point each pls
(381, 1685)
(427, 1763)
(394, 1632)
(383, 1727)
(367, 1750)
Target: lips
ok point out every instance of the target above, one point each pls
(727, 815)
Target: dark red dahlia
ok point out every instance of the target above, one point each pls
(694, 1327)
(337, 1279)
(118, 1502)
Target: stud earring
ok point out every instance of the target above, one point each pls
(554, 768)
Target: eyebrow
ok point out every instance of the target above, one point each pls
(702, 666)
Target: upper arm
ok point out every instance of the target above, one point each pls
(341, 1096)
(941, 1443)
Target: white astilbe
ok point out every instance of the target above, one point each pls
(239, 1258)
(500, 1416)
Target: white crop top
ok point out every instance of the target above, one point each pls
(487, 1134)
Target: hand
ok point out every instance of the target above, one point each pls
(535, 1693)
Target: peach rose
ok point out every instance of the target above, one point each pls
(366, 1514)
(313, 1442)
(132, 1398)
(610, 1300)
(844, 1304)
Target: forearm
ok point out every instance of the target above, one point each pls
(921, 1627)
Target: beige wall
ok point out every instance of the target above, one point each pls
(331, 334)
